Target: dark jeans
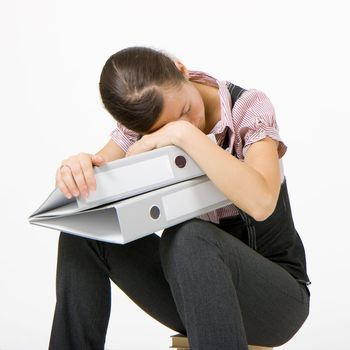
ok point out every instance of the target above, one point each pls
(197, 279)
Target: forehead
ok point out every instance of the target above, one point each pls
(174, 100)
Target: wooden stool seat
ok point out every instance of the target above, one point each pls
(180, 342)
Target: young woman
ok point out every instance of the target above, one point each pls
(232, 277)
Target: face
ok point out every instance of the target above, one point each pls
(184, 103)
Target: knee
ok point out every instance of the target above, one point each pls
(69, 247)
(70, 241)
(182, 244)
(184, 236)
(74, 246)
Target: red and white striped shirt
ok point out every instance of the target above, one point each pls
(251, 119)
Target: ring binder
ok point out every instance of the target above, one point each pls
(135, 196)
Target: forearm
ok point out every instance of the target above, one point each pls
(111, 151)
(240, 183)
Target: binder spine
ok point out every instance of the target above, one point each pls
(168, 206)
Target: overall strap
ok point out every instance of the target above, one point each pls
(235, 92)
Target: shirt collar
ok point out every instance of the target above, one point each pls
(225, 122)
(226, 107)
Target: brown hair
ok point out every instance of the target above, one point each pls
(131, 82)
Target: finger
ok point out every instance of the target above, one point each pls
(79, 178)
(88, 173)
(68, 179)
(61, 185)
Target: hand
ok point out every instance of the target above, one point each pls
(169, 134)
(75, 176)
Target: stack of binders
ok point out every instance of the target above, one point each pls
(134, 197)
(179, 342)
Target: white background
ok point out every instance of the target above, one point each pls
(51, 56)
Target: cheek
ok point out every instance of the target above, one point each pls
(198, 108)
(197, 117)
(200, 113)
(197, 113)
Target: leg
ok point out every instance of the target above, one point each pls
(83, 296)
(136, 269)
(84, 269)
(227, 294)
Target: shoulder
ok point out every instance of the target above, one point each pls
(254, 119)
(253, 109)
(253, 101)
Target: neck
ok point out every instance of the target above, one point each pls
(212, 105)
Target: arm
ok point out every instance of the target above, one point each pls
(252, 185)
(111, 151)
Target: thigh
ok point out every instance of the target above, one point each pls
(273, 304)
(136, 269)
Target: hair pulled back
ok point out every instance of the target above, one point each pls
(131, 85)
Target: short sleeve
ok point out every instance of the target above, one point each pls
(123, 136)
(257, 121)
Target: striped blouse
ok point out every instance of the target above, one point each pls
(251, 119)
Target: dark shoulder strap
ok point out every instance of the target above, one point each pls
(235, 92)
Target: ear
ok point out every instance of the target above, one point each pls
(182, 68)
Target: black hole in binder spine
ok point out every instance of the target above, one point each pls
(154, 212)
(180, 161)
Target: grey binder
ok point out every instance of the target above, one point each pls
(138, 216)
(127, 177)
(135, 196)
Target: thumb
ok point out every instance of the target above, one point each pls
(97, 160)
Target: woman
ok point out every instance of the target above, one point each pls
(232, 277)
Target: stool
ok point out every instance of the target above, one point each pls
(180, 341)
